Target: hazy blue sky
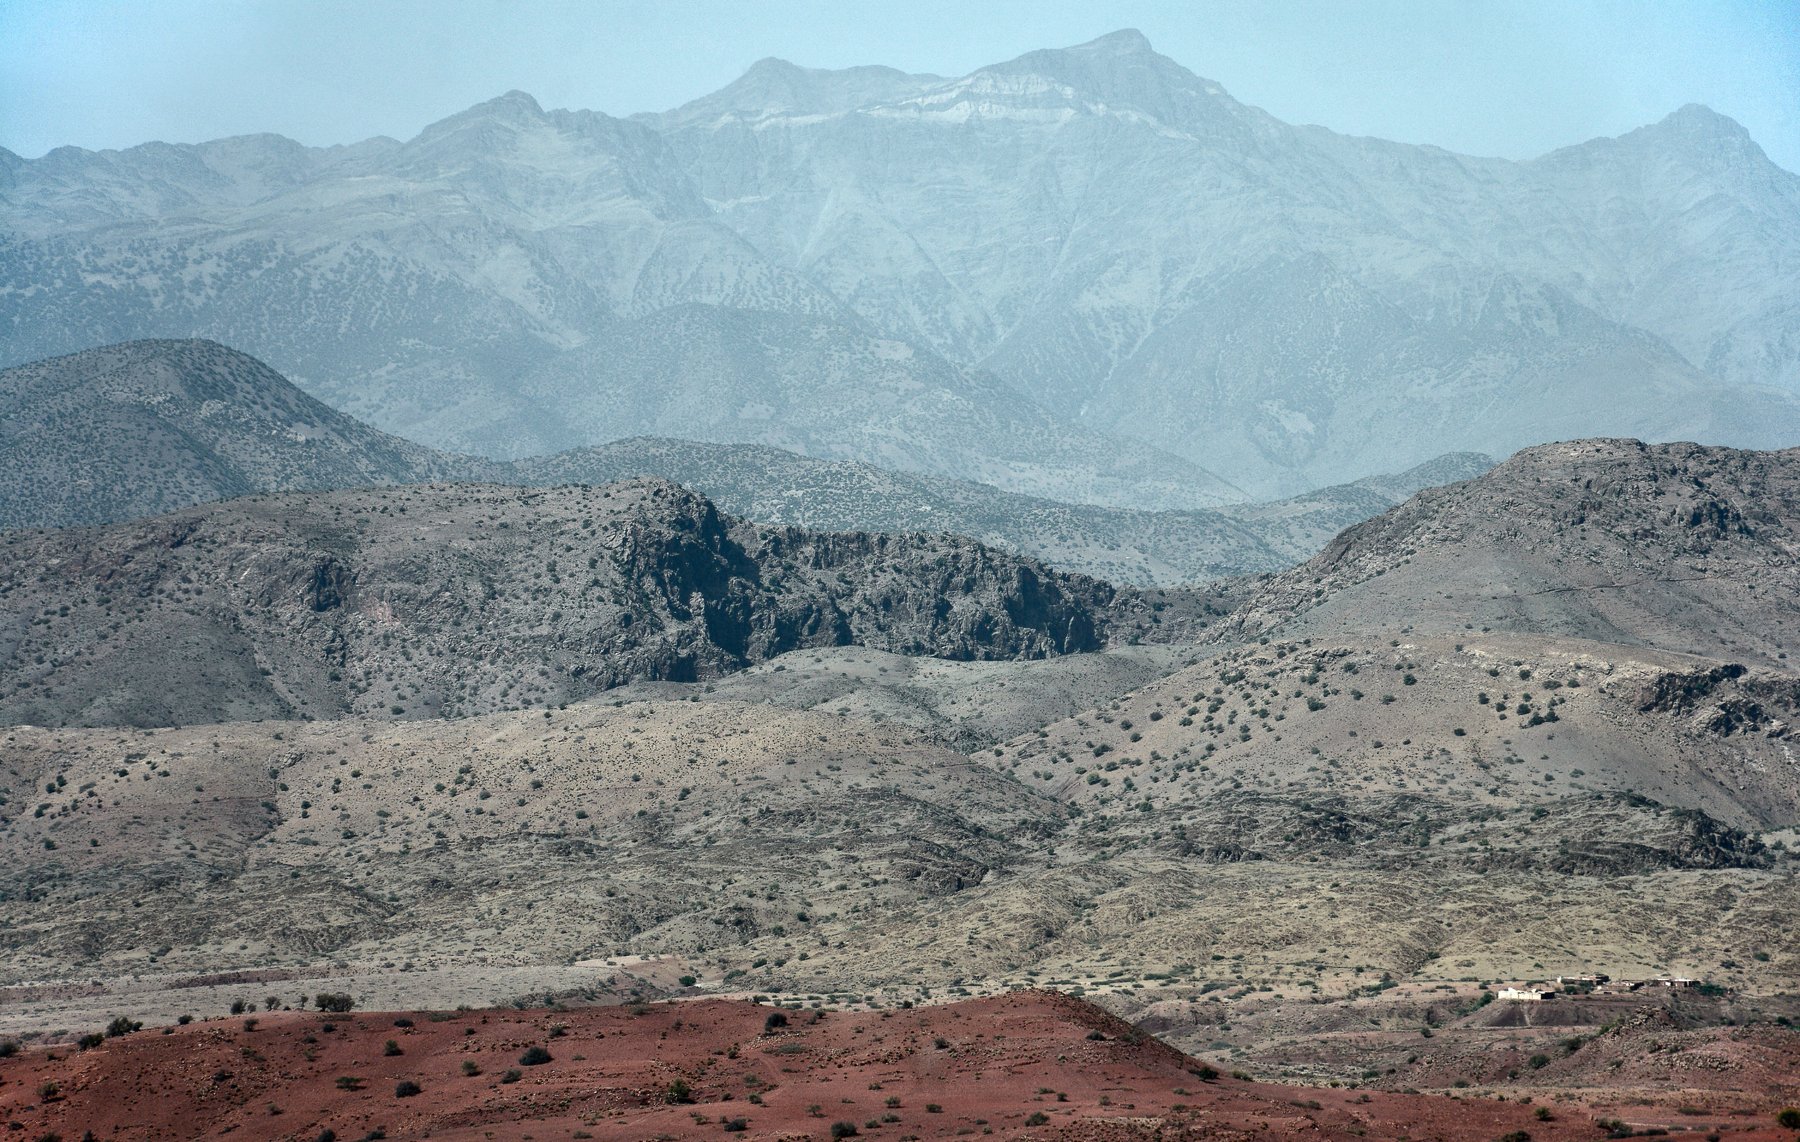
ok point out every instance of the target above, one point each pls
(1506, 78)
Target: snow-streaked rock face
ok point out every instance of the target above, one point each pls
(1084, 273)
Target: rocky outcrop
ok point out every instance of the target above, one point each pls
(444, 600)
(1675, 546)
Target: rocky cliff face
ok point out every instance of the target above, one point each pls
(460, 599)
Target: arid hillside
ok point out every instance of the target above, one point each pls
(1295, 852)
(448, 600)
(1496, 723)
(808, 850)
(1672, 546)
(146, 427)
(1025, 1065)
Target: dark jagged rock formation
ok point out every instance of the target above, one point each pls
(410, 602)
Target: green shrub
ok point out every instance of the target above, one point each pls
(337, 1002)
(406, 1089)
(534, 1057)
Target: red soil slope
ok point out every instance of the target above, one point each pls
(1026, 1065)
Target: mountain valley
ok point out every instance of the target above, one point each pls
(1254, 830)
(1045, 602)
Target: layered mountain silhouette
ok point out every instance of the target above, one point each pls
(146, 427)
(1085, 274)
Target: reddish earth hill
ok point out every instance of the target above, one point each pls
(1024, 1065)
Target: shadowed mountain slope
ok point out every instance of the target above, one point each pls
(146, 427)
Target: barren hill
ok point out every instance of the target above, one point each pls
(450, 600)
(1026, 1065)
(813, 850)
(146, 427)
(1674, 546)
(1237, 849)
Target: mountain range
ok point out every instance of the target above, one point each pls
(1085, 274)
(134, 430)
(864, 539)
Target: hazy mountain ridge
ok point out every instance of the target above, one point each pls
(146, 427)
(1139, 255)
(487, 283)
(1105, 297)
(1160, 548)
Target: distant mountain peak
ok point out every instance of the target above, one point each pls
(772, 66)
(1699, 119)
(514, 100)
(1698, 131)
(515, 108)
(1125, 41)
(775, 86)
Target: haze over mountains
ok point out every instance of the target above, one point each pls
(134, 430)
(1085, 274)
(863, 538)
